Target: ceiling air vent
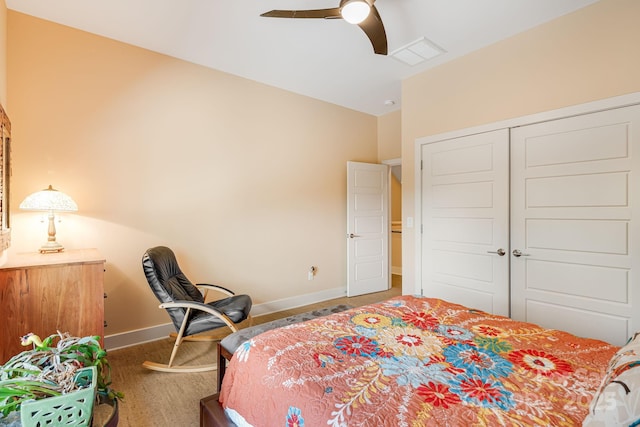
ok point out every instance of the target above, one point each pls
(417, 51)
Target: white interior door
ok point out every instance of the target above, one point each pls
(465, 221)
(367, 228)
(572, 197)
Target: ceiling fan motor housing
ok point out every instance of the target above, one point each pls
(343, 2)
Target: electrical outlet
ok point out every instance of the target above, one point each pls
(312, 272)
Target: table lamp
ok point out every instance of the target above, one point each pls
(50, 200)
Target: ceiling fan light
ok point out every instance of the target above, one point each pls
(355, 11)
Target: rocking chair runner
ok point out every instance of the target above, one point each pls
(186, 305)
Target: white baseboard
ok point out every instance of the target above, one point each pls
(153, 333)
(297, 301)
(138, 336)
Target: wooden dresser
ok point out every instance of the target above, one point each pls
(46, 293)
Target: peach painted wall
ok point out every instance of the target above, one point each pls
(588, 55)
(246, 182)
(390, 136)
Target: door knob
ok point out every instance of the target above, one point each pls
(516, 253)
(351, 235)
(500, 252)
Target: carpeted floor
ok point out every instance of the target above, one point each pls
(157, 399)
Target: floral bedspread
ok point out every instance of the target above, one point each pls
(414, 361)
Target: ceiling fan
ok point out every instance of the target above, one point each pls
(359, 12)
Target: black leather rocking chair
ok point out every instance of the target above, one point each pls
(186, 305)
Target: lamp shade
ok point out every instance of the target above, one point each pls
(355, 11)
(49, 199)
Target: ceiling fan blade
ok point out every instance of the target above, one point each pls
(318, 13)
(374, 29)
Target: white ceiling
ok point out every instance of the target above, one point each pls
(329, 60)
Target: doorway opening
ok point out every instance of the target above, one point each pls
(395, 198)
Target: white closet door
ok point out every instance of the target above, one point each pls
(572, 193)
(465, 208)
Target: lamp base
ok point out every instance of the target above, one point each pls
(51, 247)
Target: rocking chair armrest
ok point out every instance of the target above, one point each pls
(193, 305)
(218, 288)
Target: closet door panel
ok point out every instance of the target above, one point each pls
(572, 193)
(578, 144)
(465, 196)
(580, 322)
(602, 189)
(579, 280)
(578, 235)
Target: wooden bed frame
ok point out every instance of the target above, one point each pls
(212, 414)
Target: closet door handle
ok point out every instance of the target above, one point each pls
(516, 253)
(500, 252)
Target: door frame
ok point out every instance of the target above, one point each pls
(391, 163)
(560, 113)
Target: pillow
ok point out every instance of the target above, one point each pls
(617, 402)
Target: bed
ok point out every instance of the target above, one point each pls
(413, 361)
